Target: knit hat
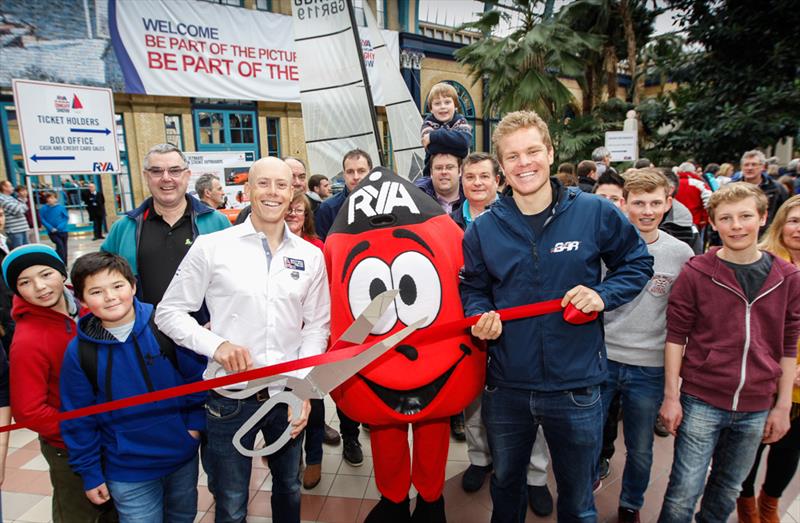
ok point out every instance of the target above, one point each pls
(26, 256)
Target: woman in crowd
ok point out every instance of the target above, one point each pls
(300, 219)
(783, 240)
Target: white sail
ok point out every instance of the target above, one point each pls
(337, 116)
(403, 114)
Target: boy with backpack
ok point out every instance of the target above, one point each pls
(735, 312)
(45, 312)
(144, 458)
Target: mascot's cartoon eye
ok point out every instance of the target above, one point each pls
(371, 276)
(420, 289)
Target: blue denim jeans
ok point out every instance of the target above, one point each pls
(572, 422)
(641, 390)
(706, 432)
(172, 498)
(15, 239)
(229, 472)
(314, 434)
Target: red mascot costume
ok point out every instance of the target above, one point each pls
(391, 235)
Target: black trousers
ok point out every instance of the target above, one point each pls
(348, 427)
(97, 225)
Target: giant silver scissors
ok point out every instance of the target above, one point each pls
(322, 379)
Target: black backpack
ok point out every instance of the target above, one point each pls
(87, 356)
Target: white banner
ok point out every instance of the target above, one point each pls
(336, 113)
(205, 50)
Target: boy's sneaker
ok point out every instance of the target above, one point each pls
(627, 515)
(605, 468)
(540, 500)
(352, 452)
(474, 477)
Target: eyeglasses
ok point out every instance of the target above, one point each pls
(445, 168)
(298, 211)
(158, 172)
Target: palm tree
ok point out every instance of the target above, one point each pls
(522, 68)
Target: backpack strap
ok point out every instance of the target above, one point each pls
(165, 344)
(87, 356)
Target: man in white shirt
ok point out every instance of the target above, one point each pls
(267, 292)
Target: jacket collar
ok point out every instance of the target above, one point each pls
(507, 211)
(196, 206)
(246, 229)
(712, 265)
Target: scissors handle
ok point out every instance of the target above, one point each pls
(292, 401)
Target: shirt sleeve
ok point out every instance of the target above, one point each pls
(4, 401)
(185, 295)
(81, 435)
(316, 313)
(29, 379)
(792, 325)
(323, 220)
(681, 308)
(630, 265)
(475, 284)
(191, 366)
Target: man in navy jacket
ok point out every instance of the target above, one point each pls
(545, 242)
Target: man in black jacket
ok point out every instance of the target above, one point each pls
(96, 207)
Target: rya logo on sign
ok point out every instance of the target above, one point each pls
(102, 167)
(372, 201)
(565, 246)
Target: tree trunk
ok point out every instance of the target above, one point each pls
(610, 61)
(630, 39)
(588, 91)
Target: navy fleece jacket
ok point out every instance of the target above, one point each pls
(138, 443)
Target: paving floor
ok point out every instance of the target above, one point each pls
(346, 493)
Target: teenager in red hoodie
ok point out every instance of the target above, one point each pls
(45, 312)
(736, 313)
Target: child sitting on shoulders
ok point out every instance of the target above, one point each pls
(443, 129)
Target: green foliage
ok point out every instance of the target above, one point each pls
(743, 88)
(522, 68)
(575, 138)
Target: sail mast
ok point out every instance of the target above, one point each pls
(367, 89)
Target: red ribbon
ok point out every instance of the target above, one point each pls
(435, 332)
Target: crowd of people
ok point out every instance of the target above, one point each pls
(694, 272)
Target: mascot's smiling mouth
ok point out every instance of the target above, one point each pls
(410, 402)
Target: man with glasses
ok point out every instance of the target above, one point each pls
(444, 183)
(156, 236)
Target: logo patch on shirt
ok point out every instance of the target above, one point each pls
(294, 264)
(295, 275)
(660, 284)
(565, 246)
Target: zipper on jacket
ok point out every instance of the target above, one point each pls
(746, 352)
(743, 375)
(535, 253)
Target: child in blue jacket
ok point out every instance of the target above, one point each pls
(55, 220)
(144, 458)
